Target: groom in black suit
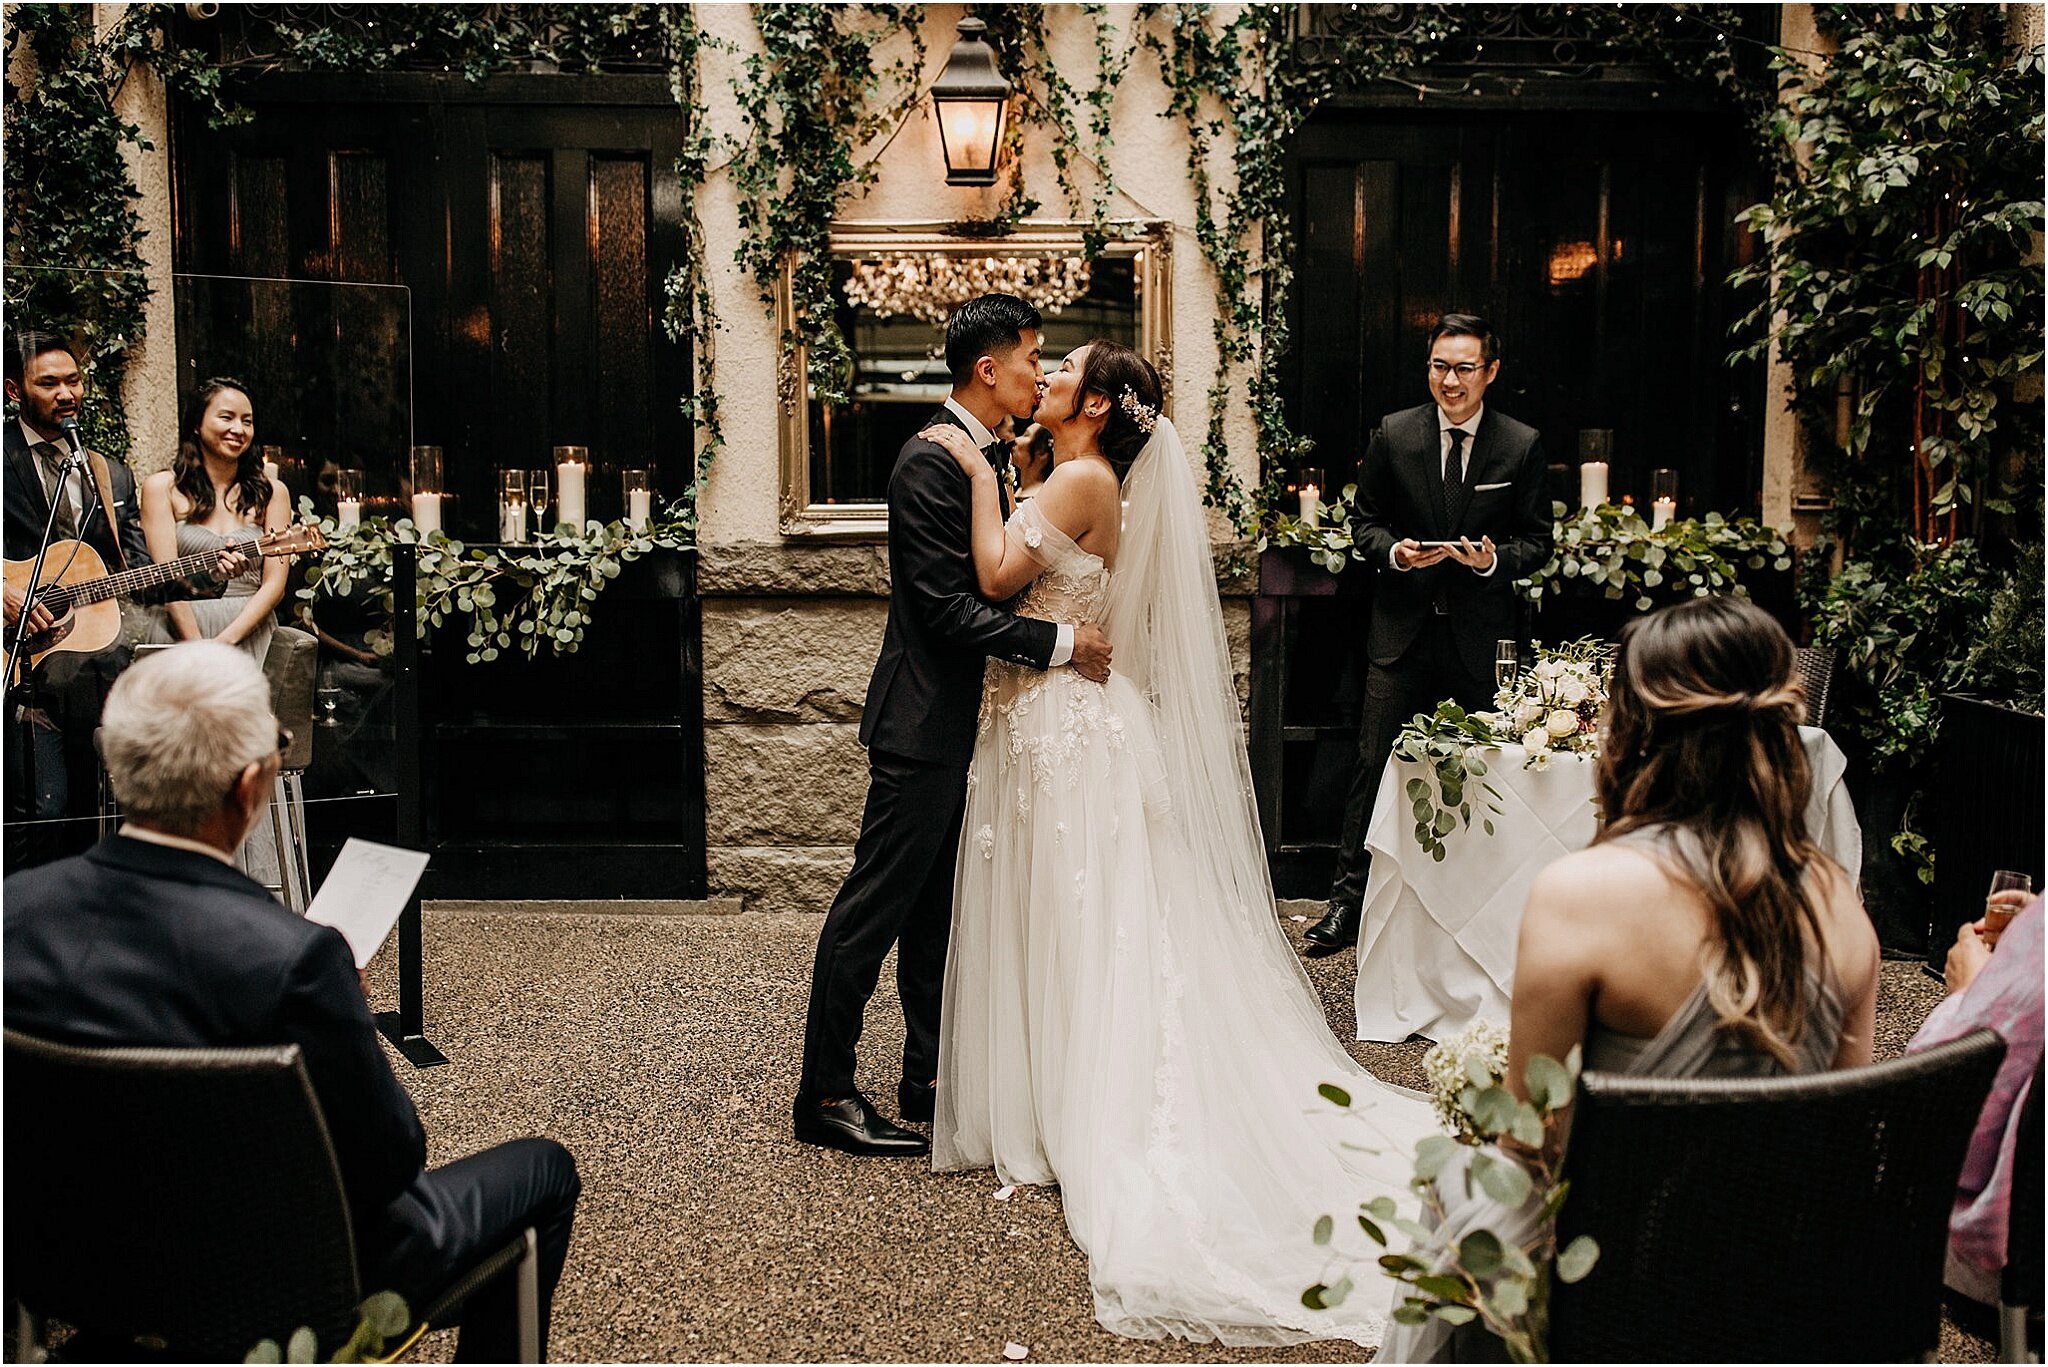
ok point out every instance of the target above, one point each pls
(919, 726)
(1452, 471)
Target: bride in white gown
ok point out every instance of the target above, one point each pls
(1123, 1015)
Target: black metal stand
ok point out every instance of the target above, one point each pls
(406, 1027)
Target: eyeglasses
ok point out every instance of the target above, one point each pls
(1464, 370)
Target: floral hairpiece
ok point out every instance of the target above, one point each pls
(1141, 413)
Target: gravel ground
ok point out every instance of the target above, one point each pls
(663, 1052)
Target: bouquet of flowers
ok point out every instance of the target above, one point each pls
(1555, 705)
(1477, 1057)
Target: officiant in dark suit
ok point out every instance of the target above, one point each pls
(1450, 471)
(922, 707)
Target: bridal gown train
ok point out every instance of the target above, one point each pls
(1120, 1022)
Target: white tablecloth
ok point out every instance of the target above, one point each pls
(1436, 946)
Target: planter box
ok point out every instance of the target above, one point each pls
(1986, 811)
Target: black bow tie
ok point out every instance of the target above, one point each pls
(997, 453)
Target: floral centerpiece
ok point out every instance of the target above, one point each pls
(1551, 708)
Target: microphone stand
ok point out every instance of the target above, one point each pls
(19, 687)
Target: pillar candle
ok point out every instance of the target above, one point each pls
(1592, 484)
(569, 494)
(270, 470)
(1661, 513)
(640, 508)
(348, 513)
(1311, 506)
(426, 512)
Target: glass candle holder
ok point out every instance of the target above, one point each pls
(348, 498)
(572, 481)
(1310, 485)
(638, 499)
(273, 462)
(426, 488)
(512, 507)
(1663, 497)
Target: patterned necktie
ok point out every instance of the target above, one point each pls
(52, 457)
(1454, 462)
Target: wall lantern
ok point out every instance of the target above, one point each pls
(970, 97)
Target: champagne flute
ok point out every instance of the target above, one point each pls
(1507, 658)
(538, 502)
(2010, 892)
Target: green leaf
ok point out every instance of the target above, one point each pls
(1444, 1288)
(1325, 1226)
(1576, 1259)
(1480, 1253)
(1397, 1263)
(1549, 1084)
(266, 1350)
(1431, 1153)
(1407, 1314)
(1455, 1314)
(302, 1346)
(1380, 1207)
(386, 1313)
(1373, 1231)
(1511, 1297)
(1335, 1095)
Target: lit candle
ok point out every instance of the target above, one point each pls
(1661, 513)
(270, 470)
(1311, 506)
(640, 508)
(569, 493)
(1592, 484)
(348, 512)
(426, 512)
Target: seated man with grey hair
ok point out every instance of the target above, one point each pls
(154, 938)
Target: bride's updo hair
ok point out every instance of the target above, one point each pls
(1702, 745)
(1132, 387)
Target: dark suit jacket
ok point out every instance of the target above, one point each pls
(1401, 494)
(138, 944)
(926, 691)
(27, 507)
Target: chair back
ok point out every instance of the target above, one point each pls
(1814, 666)
(292, 664)
(1789, 1219)
(2021, 1284)
(185, 1197)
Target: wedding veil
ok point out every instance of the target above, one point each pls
(1165, 624)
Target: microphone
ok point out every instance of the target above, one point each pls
(69, 426)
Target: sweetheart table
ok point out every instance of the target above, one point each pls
(1436, 944)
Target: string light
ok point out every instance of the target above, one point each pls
(931, 287)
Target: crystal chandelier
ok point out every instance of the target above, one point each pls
(931, 287)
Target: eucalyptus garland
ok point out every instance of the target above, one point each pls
(513, 598)
(1042, 97)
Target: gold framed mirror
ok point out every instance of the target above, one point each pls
(894, 284)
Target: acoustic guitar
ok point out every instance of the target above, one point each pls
(80, 594)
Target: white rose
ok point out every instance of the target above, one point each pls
(1571, 690)
(1529, 713)
(1562, 723)
(1536, 741)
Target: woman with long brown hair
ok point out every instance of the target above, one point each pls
(1703, 932)
(215, 493)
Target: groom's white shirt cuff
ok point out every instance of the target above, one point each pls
(1394, 559)
(1062, 647)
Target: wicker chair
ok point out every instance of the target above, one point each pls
(1795, 1219)
(2020, 1287)
(186, 1204)
(1814, 666)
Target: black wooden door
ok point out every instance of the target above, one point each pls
(533, 220)
(1595, 242)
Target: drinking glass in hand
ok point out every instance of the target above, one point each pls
(1506, 661)
(2009, 895)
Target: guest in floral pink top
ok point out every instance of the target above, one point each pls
(2000, 990)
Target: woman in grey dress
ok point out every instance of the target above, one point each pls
(1703, 933)
(217, 492)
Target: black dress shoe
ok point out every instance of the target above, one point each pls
(855, 1126)
(917, 1101)
(1337, 930)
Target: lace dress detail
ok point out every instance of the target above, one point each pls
(1099, 1030)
